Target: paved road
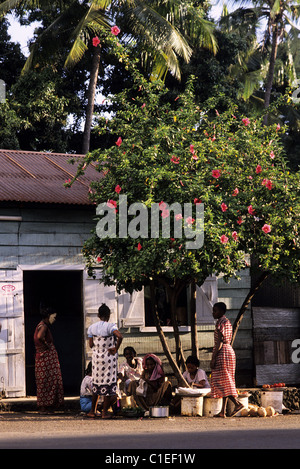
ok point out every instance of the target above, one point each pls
(32, 431)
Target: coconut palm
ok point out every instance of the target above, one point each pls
(152, 21)
(279, 17)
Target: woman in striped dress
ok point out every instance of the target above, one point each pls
(223, 362)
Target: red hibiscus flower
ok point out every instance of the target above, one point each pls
(175, 159)
(251, 210)
(118, 189)
(216, 173)
(115, 30)
(111, 203)
(96, 41)
(224, 207)
(119, 142)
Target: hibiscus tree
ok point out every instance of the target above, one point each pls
(175, 152)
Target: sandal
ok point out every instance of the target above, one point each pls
(236, 410)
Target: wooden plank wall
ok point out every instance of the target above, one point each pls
(274, 331)
(45, 235)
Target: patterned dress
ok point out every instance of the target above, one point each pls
(49, 384)
(223, 375)
(104, 365)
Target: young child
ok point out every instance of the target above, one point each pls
(86, 390)
(194, 375)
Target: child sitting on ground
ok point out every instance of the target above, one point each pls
(195, 376)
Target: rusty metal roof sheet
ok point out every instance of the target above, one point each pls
(28, 176)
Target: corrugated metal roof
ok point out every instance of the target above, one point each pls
(27, 176)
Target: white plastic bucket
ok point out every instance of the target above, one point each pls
(273, 399)
(192, 406)
(212, 406)
(242, 400)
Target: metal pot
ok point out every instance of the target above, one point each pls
(159, 411)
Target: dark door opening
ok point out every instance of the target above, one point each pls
(63, 291)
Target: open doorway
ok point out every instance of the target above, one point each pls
(61, 289)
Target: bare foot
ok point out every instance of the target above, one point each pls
(220, 415)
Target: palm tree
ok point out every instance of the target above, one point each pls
(280, 18)
(78, 21)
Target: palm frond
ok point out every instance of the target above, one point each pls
(143, 18)
(93, 18)
(9, 5)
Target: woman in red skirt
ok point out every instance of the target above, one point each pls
(223, 362)
(50, 394)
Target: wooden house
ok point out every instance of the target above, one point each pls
(43, 226)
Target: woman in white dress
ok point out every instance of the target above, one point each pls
(105, 340)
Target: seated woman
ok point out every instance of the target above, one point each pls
(194, 376)
(131, 369)
(158, 390)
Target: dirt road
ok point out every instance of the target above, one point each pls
(31, 430)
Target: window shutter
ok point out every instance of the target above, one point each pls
(12, 342)
(206, 297)
(132, 309)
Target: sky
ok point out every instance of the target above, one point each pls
(22, 34)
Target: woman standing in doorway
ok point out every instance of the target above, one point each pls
(105, 340)
(223, 362)
(49, 384)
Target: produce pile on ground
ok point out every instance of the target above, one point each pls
(291, 398)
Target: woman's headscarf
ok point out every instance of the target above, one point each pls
(158, 371)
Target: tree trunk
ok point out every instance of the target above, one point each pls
(194, 334)
(275, 36)
(246, 303)
(173, 293)
(91, 101)
(178, 375)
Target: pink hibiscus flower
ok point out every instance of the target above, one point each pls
(118, 189)
(258, 169)
(266, 228)
(251, 210)
(190, 220)
(224, 207)
(234, 235)
(246, 121)
(224, 239)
